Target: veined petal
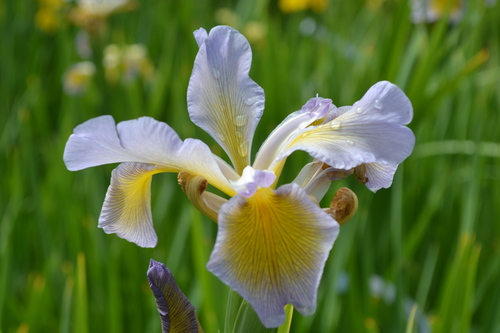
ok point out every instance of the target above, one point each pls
(271, 248)
(386, 102)
(99, 141)
(379, 175)
(371, 131)
(222, 99)
(127, 208)
(176, 312)
(279, 139)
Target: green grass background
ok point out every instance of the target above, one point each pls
(433, 239)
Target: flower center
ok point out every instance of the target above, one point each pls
(251, 180)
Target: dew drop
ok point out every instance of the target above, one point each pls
(240, 134)
(251, 101)
(360, 110)
(336, 125)
(240, 120)
(350, 142)
(243, 149)
(216, 74)
(377, 105)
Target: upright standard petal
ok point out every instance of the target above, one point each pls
(222, 99)
(271, 248)
(371, 131)
(127, 207)
(176, 312)
(145, 140)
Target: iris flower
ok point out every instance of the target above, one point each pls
(272, 242)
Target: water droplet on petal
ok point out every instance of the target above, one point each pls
(216, 73)
(350, 142)
(240, 120)
(240, 134)
(360, 110)
(243, 149)
(336, 125)
(377, 104)
(251, 101)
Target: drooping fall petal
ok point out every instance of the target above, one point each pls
(222, 99)
(271, 248)
(127, 207)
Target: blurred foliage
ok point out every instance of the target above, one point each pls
(431, 243)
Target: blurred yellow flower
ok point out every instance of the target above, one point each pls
(48, 16)
(127, 63)
(289, 6)
(254, 31)
(77, 78)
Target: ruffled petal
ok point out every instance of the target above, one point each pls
(99, 141)
(127, 208)
(379, 175)
(176, 312)
(385, 102)
(222, 99)
(271, 248)
(371, 131)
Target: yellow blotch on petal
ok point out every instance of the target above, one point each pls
(271, 248)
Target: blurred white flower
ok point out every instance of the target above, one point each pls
(136, 63)
(92, 15)
(127, 63)
(379, 288)
(433, 10)
(77, 78)
(101, 7)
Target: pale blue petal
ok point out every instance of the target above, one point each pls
(126, 211)
(145, 140)
(385, 102)
(379, 175)
(271, 248)
(371, 131)
(355, 142)
(251, 180)
(222, 99)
